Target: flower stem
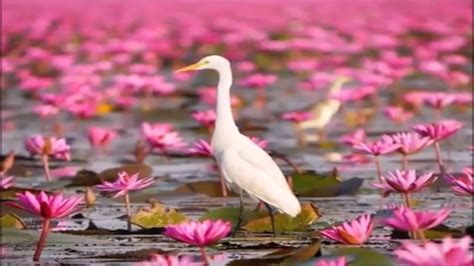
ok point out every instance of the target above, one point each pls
(378, 167)
(404, 162)
(45, 160)
(421, 235)
(42, 240)
(439, 158)
(406, 199)
(204, 256)
(127, 207)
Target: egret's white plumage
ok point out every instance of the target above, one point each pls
(244, 165)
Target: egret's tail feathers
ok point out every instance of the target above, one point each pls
(291, 206)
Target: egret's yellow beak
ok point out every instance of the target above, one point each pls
(191, 67)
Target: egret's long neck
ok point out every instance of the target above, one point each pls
(224, 121)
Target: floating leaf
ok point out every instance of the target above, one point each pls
(157, 216)
(12, 221)
(85, 178)
(208, 187)
(312, 184)
(294, 256)
(439, 232)
(260, 221)
(364, 257)
(283, 222)
(25, 237)
(111, 174)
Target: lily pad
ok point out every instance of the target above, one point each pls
(85, 178)
(12, 221)
(15, 236)
(157, 216)
(208, 187)
(283, 222)
(364, 256)
(439, 232)
(294, 256)
(111, 174)
(313, 184)
(260, 221)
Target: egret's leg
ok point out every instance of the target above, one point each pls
(241, 213)
(270, 211)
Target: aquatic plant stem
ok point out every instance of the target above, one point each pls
(421, 235)
(45, 161)
(127, 207)
(404, 162)
(378, 167)
(406, 199)
(204, 256)
(42, 240)
(439, 158)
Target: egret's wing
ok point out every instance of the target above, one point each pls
(253, 170)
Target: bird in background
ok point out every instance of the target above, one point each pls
(246, 168)
(324, 111)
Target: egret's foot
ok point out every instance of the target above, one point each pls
(235, 231)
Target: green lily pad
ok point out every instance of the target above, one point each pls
(286, 256)
(157, 217)
(11, 220)
(260, 221)
(13, 236)
(313, 184)
(208, 187)
(364, 256)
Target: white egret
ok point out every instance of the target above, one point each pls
(244, 165)
(324, 111)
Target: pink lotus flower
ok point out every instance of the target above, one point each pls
(258, 81)
(410, 143)
(340, 261)
(100, 137)
(162, 136)
(262, 143)
(438, 131)
(462, 185)
(125, 184)
(45, 110)
(122, 186)
(6, 182)
(404, 181)
(297, 116)
(439, 100)
(397, 114)
(449, 252)
(201, 148)
(355, 232)
(199, 234)
(384, 145)
(168, 260)
(405, 219)
(355, 137)
(205, 118)
(47, 146)
(48, 207)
